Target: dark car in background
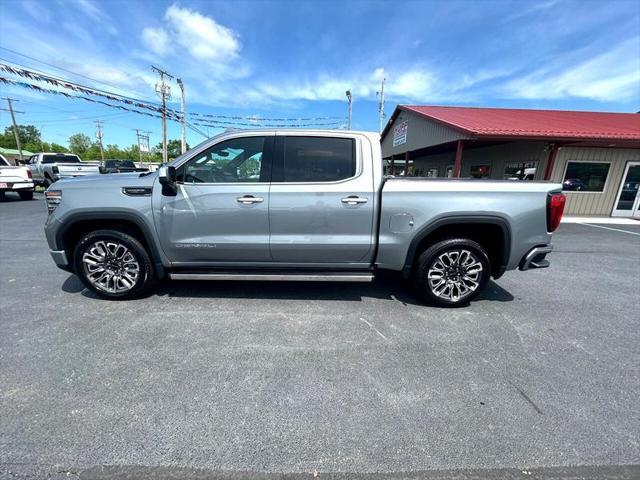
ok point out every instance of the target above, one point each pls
(574, 184)
(120, 166)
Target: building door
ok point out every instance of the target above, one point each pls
(628, 200)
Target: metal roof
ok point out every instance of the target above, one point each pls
(521, 123)
(12, 151)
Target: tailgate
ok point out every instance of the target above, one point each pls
(75, 168)
(14, 174)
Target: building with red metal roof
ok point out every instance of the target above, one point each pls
(595, 155)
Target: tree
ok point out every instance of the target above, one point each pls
(79, 143)
(29, 137)
(174, 149)
(56, 148)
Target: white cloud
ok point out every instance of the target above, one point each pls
(202, 36)
(90, 9)
(199, 35)
(415, 85)
(610, 76)
(156, 40)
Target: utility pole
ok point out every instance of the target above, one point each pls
(350, 98)
(381, 104)
(138, 140)
(164, 91)
(143, 143)
(183, 148)
(99, 137)
(15, 127)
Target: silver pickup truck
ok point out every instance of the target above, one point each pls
(47, 168)
(297, 205)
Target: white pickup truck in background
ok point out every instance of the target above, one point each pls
(47, 168)
(15, 179)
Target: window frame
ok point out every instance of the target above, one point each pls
(277, 170)
(266, 161)
(604, 186)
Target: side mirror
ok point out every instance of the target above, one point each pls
(167, 178)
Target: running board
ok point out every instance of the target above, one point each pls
(277, 277)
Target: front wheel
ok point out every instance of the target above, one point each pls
(452, 272)
(114, 265)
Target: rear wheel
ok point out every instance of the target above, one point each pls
(26, 195)
(114, 265)
(452, 272)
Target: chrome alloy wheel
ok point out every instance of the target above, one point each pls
(454, 275)
(110, 266)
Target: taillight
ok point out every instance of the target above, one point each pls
(29, 174)
(555, 208)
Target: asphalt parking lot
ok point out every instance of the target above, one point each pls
(542, 371)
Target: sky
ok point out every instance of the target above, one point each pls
(295, 59)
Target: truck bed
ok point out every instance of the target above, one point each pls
(411, 205)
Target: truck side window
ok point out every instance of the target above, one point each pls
(235, 160)
(318, 159)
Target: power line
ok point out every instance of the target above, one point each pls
(70, 71)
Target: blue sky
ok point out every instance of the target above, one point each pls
(297, 58)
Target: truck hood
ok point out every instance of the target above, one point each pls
(134, 179)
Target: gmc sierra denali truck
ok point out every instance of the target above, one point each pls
(296, 205)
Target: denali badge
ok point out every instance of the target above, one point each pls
(194, 245)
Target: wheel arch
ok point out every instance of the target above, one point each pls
(490, 231)
(82, 223)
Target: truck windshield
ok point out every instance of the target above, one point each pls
(62, 158)
(119, 164)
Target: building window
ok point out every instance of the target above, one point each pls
(585, 176)
(520, 170)
(480, 171)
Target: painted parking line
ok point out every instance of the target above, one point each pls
(609, 228)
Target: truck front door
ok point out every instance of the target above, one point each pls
(322, 202)
(220, 213)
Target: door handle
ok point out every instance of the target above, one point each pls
(354, 200)
(249, 199)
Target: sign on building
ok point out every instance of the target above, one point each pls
(400, 134)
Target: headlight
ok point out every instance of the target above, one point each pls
(53, 199)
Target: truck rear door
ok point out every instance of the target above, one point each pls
(321, 200)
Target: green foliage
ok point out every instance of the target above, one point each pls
(249, 168)
(80, 144)
(174, 149)
(29, 137)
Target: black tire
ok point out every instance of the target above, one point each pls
(456, 277)
(145, 273)
(1, 196)
(26, 195)
(47, 181)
